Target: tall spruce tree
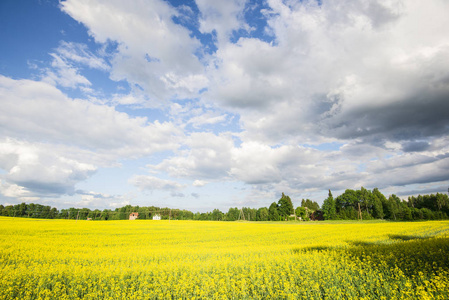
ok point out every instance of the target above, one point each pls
(329, 207)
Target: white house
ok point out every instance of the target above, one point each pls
(156, 217)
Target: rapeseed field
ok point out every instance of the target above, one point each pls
(67, 259)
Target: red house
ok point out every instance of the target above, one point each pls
(133, 215)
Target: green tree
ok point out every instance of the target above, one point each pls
(20, 209)
(347, 205)
(106, 214)
(32, 211)
(301, 212)
(442, 202)
(95, 214)
(285, 206)
(378, 200)
(262, 214)
(8, 211)
(273, 214)
(232, 214)
(312, 205)
(395, 206)
(53, 213)
(83, 213)
(364, 197)
(217, 215)
(188, 215)
(329, 207)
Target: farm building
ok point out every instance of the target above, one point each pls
(156, 217)
(133, 215)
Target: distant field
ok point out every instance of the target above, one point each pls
(66, 259)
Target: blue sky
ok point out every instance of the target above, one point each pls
(216, 104)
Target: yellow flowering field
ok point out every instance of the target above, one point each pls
(67, 259)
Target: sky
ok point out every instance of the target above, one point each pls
(203, 104)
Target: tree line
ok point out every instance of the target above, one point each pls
(351, 205)
(367, 205)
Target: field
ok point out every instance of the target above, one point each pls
(66, 259)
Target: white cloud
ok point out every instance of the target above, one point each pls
(256, 163)
(215, 157)
(369, 75)
(67, 62)
(100, 200)
(119, 203)
(197, 115)
(208, 156)
(153, 52)
(81, 54)
(38, 111)
(145, 182)
(199, 183)
(14, 191)
(297, 169)
(250, 74)
(38, 170)
(50, 143)
(209, 118)
(64, 74)
(222, 17)
(343, 70)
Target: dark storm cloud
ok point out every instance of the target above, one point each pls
(423, 116)
(415, 146)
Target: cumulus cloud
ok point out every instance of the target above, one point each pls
(208, 156)
(344, 70)
(215, 157)
(221, 17)
(16, 192)
(370, 76)
(367, 74)
(208, 118)
(153, 51)
(38, 111)
(145, 182)
(36, 170)
(199, 183)
(50, 142)
(100, 200)
(197, 115)
(298, 169)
